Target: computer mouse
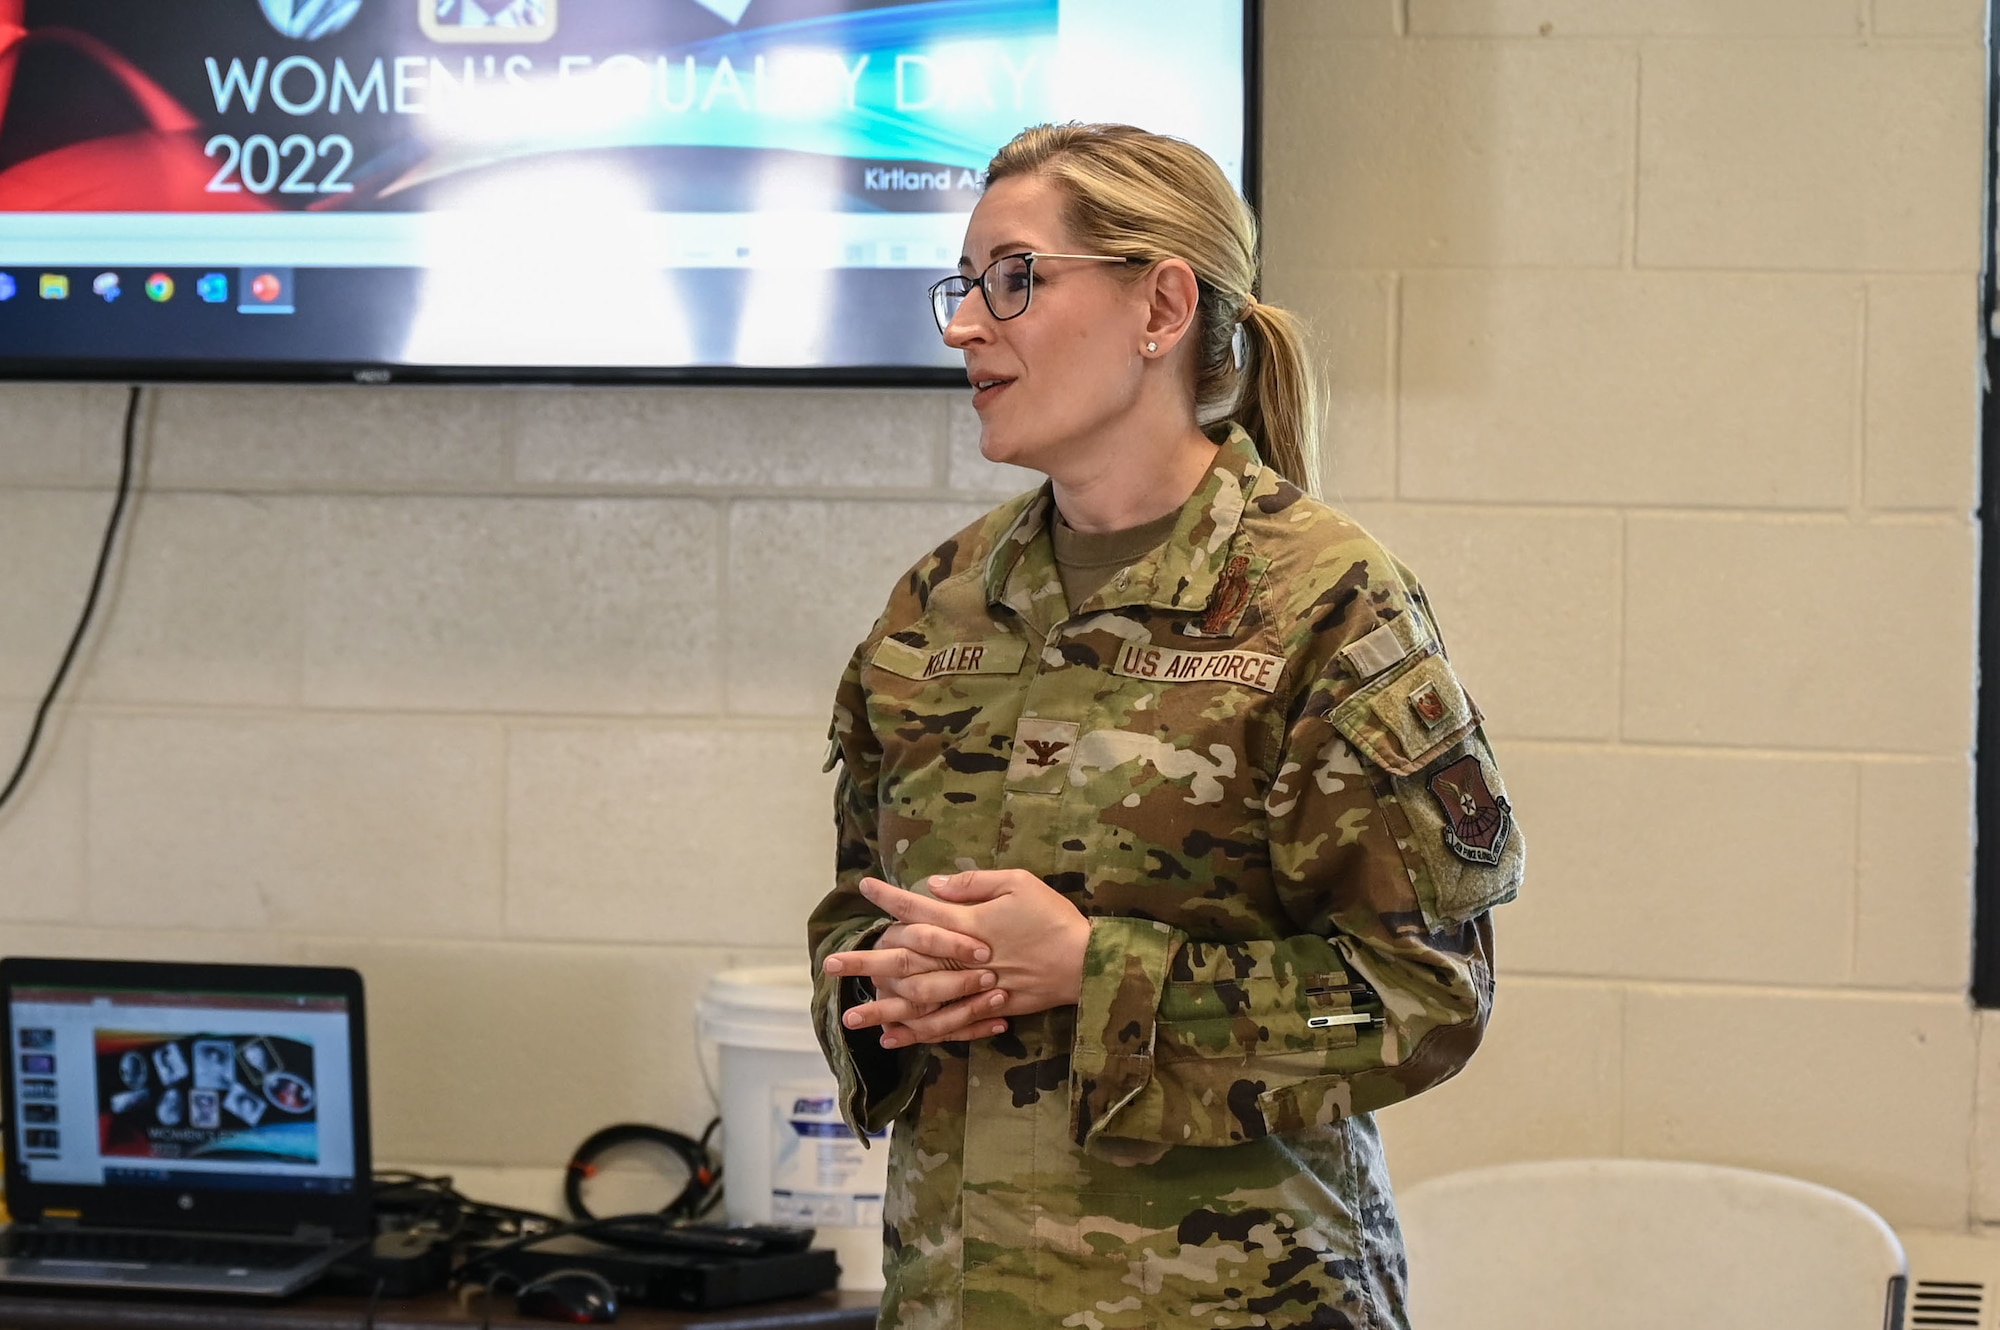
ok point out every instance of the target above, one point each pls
(581, 1297)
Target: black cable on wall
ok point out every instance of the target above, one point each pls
(1986, 734)
(89, 601)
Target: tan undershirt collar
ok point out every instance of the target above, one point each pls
(1088, 560)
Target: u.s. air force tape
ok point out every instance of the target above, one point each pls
(1252, 669)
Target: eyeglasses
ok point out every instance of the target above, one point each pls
(1007, 285)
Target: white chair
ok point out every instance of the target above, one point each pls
(1637, 1244)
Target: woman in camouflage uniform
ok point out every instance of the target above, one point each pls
(1159, 873)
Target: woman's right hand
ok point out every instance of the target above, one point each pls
(915, 969)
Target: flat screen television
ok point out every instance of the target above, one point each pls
(556, 190)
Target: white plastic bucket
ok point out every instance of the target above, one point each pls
(787, 1157)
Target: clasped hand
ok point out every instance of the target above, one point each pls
(993, 943)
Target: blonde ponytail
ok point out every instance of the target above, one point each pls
(1277, 403)
(1147, 196)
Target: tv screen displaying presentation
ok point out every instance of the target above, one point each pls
(561, 190)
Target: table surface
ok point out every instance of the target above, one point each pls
(65, 1311)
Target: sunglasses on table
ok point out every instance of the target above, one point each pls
(1007, 285)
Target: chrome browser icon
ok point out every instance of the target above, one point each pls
(309, 20)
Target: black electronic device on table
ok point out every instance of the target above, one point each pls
(404, 1263)
(698, 1274)
(186, 1127)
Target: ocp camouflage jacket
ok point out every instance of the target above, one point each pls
(1249, 763)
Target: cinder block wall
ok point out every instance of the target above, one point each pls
(1654, 334)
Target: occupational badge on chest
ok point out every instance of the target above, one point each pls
(1476, 820)
(1235, 588)
(1042, 750)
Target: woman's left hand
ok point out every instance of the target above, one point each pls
(1037, 938)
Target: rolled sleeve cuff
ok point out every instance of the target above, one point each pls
(875, 1083)
(1125, 967)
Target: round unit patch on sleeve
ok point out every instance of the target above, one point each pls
(1476, 820)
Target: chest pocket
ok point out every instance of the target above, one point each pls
(942, 708)
(1447, 807)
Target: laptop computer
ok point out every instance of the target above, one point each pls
(183, 1127)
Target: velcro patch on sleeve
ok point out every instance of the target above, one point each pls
(1405, 718)
(1000, 656)
(1252, 669)
(1423, 706)
(1386, 646)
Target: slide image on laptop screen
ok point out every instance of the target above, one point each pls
(130, 1087)
(235, 1097)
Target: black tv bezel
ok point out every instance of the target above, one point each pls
(94, 370)
(347, 1214)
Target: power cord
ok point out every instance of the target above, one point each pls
(374, 1305)
(421, 1203)
(89, 602)
(665, 1230)
(703, 1172)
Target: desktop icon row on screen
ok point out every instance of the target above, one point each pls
(262, 290)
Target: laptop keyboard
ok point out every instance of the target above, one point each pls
(153, 1249)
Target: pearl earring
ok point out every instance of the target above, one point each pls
(1152, 346)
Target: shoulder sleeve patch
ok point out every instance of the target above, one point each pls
(1469, 852)
(1476, 820)
(1443, 798)
(1405, 718)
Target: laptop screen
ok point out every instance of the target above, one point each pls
(244, 1091)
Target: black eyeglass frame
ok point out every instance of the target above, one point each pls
(938, 291)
